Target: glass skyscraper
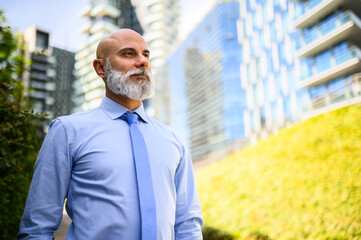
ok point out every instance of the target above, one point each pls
(208, 102)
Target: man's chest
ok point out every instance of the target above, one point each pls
(104, 153)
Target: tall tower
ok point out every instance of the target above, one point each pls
(39, 80)
(207, 99)
(104, 17)
(63, 64)
(159, 19)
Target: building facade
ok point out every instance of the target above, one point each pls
(103, 17)
(160, 21)
(40, 78)
(269, 68)
(328, 42)
(63, 64)
(208, 101)
(261, 66)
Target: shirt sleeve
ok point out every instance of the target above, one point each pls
(189, 220)
(44, 206)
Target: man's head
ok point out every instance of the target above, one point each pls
(123, 63)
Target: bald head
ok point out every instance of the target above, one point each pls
(109, 44)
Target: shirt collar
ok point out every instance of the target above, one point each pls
(115, 110)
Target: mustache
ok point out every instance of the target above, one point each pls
(142, 71)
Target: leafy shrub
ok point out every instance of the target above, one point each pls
(19, 136)
(210, 233)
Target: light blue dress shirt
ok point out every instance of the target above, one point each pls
(87, 158)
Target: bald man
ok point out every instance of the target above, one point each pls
(89, 158)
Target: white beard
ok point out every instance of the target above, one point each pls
(121, 84)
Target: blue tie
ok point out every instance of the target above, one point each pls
(144, 179)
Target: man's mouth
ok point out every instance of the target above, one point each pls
(140, 76)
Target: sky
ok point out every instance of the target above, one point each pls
(62, 20)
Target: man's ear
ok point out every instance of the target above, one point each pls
(99, 67)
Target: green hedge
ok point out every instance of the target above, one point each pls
(303, 183)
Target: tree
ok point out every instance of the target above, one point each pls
(20, 137)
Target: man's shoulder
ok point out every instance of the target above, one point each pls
(160, 124)
(166, 129)
(79, 118)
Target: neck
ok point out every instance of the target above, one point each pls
(126, 102)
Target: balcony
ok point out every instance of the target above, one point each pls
(85, 12)
(50, 86)
(315, 10)
(85, 28)
(152, 2)
(344, 26)
(39, 76)
(152, 36)
(339, 93)
(83, 53)
(103, 26)
(103, 9)
(331, 65)
(51, 72)
(154, 18)
(99, 10)
(49, 100)
(37, 94)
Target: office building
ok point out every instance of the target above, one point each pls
(160, 21)
(39, 80)
(208, 101)
(63, 64)
(328, 42)
(103, 17)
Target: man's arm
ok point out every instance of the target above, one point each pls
(189, 220)
(44, 206)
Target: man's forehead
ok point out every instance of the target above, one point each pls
(119, 40)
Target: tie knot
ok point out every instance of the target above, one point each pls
(130, 117)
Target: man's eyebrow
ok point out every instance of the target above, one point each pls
(127, 49)
(133, 50)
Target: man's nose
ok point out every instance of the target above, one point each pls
(142, 61)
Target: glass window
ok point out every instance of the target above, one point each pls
(274, 114)
(287, 109)
(42, 39)
(263, 117)
(337, 89)
(323, 61)
(328, 24)
(253, 122)
(342, 52)
(310, 34)
(318, 95)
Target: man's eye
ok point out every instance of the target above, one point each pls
(128, 53)
(146, 55)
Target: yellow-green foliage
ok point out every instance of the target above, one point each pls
(303, 183)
